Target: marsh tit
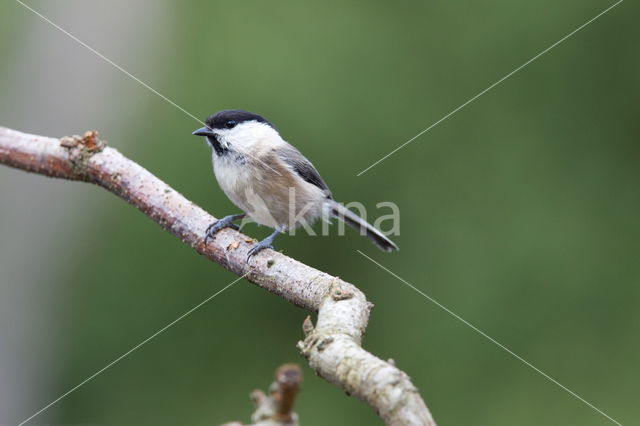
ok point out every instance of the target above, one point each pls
(270, 180)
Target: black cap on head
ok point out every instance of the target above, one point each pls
(230, 118)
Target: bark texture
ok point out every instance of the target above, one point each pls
(332, 347)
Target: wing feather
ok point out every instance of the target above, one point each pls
(303, 167)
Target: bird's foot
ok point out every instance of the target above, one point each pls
(225, 222)
(264, 244)
(258, 248)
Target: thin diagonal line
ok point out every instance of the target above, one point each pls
(77, 40)
(130, 351)
(127, 73)
(500, 345)
(491, 87)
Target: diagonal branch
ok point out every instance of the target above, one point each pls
(332, 347)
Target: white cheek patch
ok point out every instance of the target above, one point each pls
(245, 135)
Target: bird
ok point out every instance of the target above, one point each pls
(270, 180)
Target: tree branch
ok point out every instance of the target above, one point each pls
(332, 347)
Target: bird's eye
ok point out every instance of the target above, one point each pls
(230, 124)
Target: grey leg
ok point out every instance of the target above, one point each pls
(264, 244)
(225, 222)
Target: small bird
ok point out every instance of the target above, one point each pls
(270, 180)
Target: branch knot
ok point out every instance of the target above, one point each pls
(81, 148)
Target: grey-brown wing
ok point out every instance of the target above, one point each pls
(303, 167)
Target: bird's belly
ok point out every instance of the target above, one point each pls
(268, 200)
(233, 180)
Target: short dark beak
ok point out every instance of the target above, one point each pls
(203, 131)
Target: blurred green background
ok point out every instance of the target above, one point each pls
(519, 213)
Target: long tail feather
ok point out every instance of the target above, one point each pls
(341, 212)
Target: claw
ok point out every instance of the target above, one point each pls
(264, 244)
(258, 248)
(225, 222)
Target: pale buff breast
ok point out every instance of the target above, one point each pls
(272, 194)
